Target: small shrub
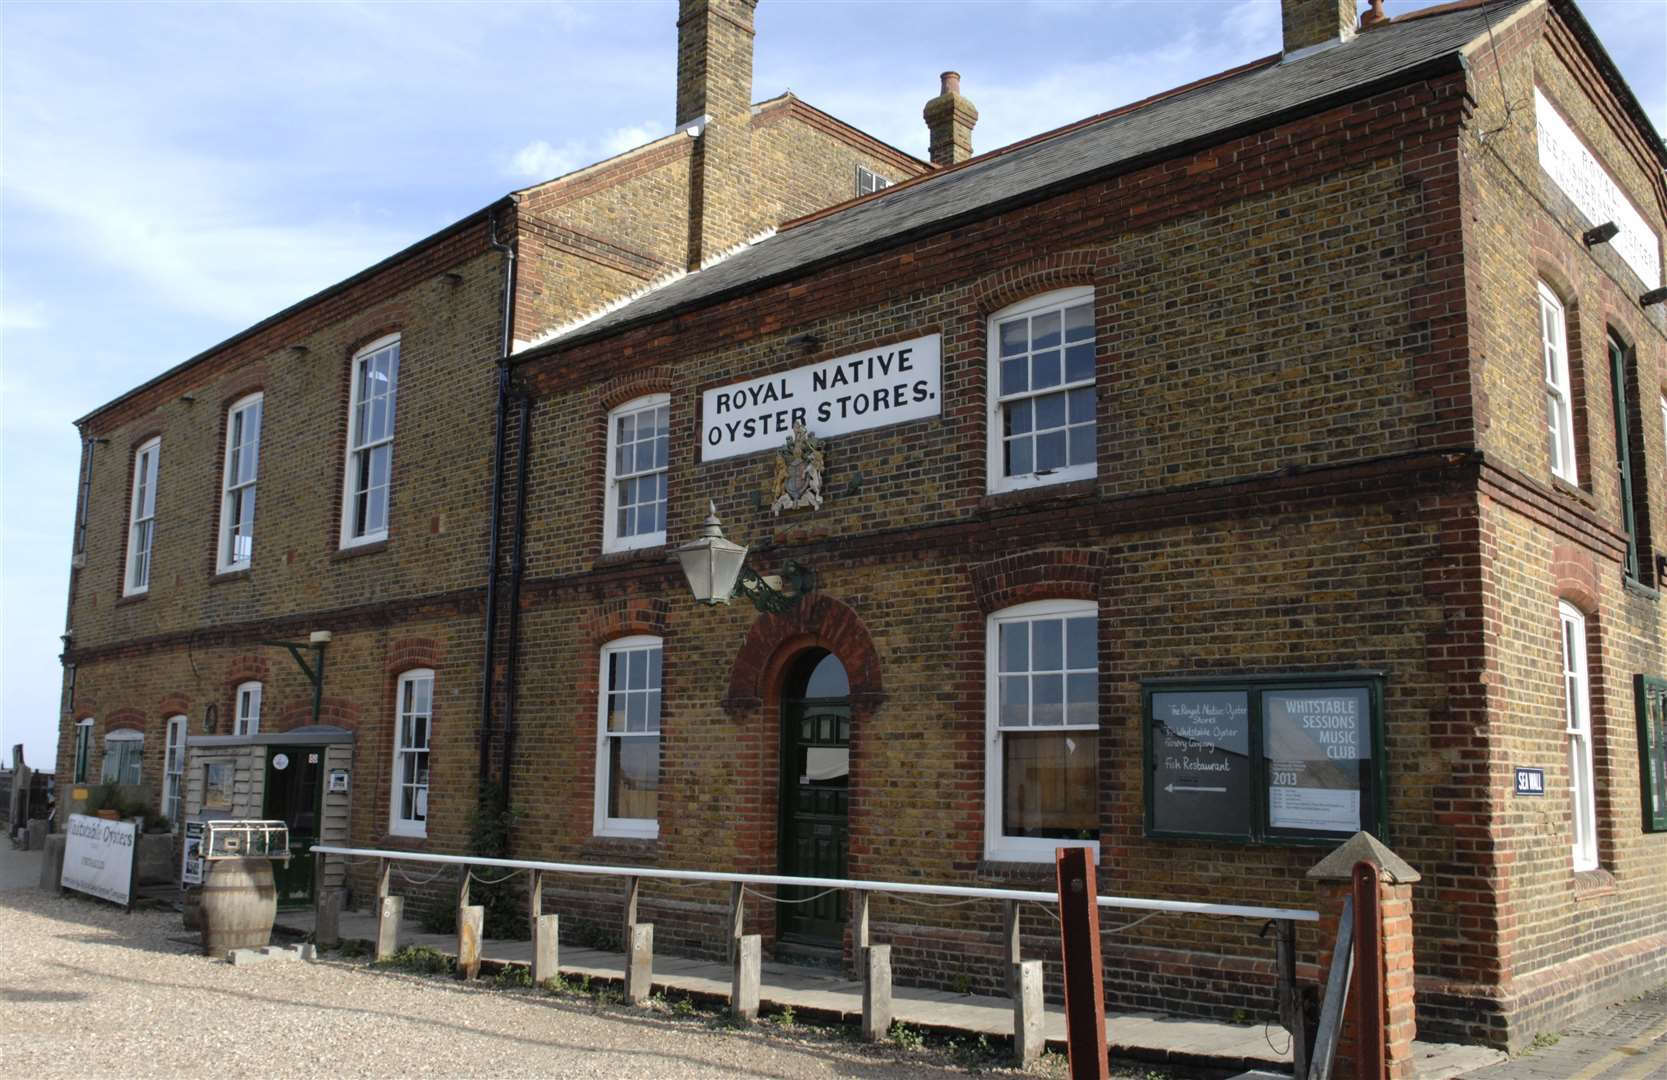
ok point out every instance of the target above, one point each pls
(607, 996)
(905, 1036)
(784, 1018)
(513, 977)
(684, 1006)
(354, 949)
(1545, 1039)
(438, 919)
(961, 983)
(420, 959)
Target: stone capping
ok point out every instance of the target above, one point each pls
(1364, 847)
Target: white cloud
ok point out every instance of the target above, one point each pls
(539, 160)
(22, 315)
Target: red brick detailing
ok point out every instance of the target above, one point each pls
(337, 712)
(774, 640)
(1045, 574)
(625, 617)
(248, 668)
(1576, 573)
(414, 652)
(377, 323)
(251, 379)
(635, 384)
(125, 720)
(173, 705)
(1400, 1026)
(1014, 283)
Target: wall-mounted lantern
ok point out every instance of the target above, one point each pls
(716, 570)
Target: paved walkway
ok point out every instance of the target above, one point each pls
(1149, 1037)
(1627, 1041)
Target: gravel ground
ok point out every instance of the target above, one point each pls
(92, 991)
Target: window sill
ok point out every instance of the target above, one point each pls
(655, 553)
(629, 849)
(357, 550)
(1041, 493)
(1013, 872)
(1573, 491)
(1638, 588)
(400, 842)
(223, 577)
(1592, 884)
(132, 598)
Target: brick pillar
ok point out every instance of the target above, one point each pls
(1333, 883)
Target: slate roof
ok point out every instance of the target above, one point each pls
(1250, 98)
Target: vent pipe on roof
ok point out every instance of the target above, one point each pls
(950, 119)
(1308, 24)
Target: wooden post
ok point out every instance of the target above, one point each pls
(1292, 1012)
(1028, 1033)
(327, 923)
(859, 930)
(470, 921)
(462, 889)
(735, 918)
(743, 987)
(545, 933)
(1079, 933)
(1010, 943)
(876, 993)
(1368, 968)
(318, 893)
(384, 870)
(633, 890)
(388, 914)
(639, 963)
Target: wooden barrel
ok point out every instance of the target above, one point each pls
(238, 905)
(191, 908)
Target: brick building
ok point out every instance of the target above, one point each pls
(1280, 456)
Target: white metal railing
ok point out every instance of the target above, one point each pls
(1179, 907)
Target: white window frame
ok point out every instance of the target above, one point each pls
(123, 735)
(611, 540)
(141, 518)
(636, 828)
(1559, 393)
(246, 709)
(233, 490)
(869, 181)
(173, 768)
(83, 750)
(398, 823)
(1577, 714)
(994, 469)
(350, 534)
(998, 847)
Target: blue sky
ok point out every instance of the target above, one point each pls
(171, 173)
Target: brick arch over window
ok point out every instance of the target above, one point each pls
(1576, 574)
(248, 668)
(415, 652)
(627, 616)
(246, 380)
(337, 712)
(173, 705)
(1048, 574)
(774, 640)
(377, 323)
(1014, 283)
(635, 384)
(125, 720)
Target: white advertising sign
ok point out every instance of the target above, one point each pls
(889, 385)
(98, 857)
(1594, 193)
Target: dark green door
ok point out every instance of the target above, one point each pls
(815, 796)
(294, 795)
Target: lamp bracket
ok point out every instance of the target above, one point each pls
(776, 594)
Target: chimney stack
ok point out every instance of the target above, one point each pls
(714, 59)
(1309, 23)
(950, 118)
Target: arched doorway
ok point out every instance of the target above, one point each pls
(815, 796)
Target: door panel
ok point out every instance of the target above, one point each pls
(294, 795)
(815, 811)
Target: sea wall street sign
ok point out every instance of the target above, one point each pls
(98, 857)
(874, 388)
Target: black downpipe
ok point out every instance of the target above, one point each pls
(489, 649)
(523, 452)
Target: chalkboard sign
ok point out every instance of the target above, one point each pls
(1199, 753)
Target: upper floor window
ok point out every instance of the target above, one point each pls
(628, 739)
(124, 752)
(370, 442)
(248, 709)
(83, 748)
(639, 435)
(1577, 710)
(1629, 459)
(1042, 720)
(412, 738)
(869, 181)
(173, 768)
(1042, 391)
(141, 527)
(237, 502)
(1559, 399)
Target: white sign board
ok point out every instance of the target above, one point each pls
(98, 857)
(1594, 192)
(889, 385)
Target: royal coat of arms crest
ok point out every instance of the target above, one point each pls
(799, 466)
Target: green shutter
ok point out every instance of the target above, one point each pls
(1651, 695)
(1623, 454)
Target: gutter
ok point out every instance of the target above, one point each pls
(1447, 63)
(489, 647)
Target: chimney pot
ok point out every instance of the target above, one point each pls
(950, 119)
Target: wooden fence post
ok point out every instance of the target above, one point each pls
(1010, 944)
(388, 914)
(1079, 932)
(1028, 1032)
(545, 930)
(876, 993)
(743, 987)
(736, 914)
(470, 922)
(633, 890)
(639, 963)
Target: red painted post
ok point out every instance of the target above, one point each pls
(1368, 973)
(1079, 946)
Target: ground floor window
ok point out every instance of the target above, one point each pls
(1577, 707)
(1042, 717)
(123, 751)
(173, 768)
(83, 748)
(1652, 749)
(628, 739)
(412, 738)
(1264, 758)
(248, 708)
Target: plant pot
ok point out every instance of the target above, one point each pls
(109, 815)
